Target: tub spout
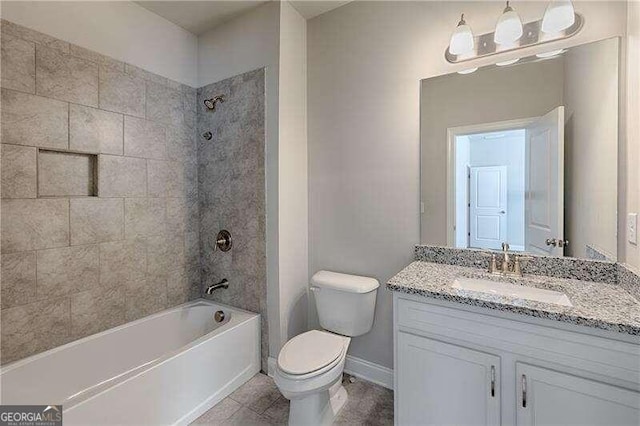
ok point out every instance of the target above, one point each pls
(222, 284)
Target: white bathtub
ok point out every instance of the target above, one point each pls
(167, 368)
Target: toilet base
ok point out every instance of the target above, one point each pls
(319, 408)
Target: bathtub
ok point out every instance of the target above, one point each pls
(167, 368)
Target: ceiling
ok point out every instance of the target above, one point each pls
(198, 17)
(312, 8)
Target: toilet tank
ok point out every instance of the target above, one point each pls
(345, 303)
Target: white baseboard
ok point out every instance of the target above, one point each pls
(357, 367)
(369, 371)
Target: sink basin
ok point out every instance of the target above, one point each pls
(512, 290)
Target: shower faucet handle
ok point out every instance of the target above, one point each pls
(224, 242)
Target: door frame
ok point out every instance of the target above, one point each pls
(452, 134)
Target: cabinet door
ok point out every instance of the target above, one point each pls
(547, 397)
(443, 384)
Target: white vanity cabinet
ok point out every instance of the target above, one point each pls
(457, 364)
(549, 397)
(438, 376)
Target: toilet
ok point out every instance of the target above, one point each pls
(309, 367)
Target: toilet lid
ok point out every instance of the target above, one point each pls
(310, 351)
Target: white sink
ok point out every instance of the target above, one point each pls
(512, 290)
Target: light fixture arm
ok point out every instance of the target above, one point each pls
(484, 45)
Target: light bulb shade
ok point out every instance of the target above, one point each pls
(559, 16)
(468, 71)
(461, 40)
(550, 53)
(509, 62)
(508, 28)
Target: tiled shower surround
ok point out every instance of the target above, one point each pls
(231, 190)
(100, 222)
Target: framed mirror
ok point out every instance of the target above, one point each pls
(524, 154)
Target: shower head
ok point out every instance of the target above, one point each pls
(211, 103)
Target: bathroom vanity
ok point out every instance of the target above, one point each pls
(467, 353)
(520, 154)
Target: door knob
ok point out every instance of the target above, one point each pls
(502, 212)
(555, 242)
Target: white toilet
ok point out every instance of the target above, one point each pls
(309, 369)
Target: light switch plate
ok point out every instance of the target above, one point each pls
(632, 227)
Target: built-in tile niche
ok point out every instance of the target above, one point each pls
(67, 174)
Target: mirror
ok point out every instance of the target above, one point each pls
(525, 154)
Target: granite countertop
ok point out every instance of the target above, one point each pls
(595, 304)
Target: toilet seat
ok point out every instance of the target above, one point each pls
(311, 353)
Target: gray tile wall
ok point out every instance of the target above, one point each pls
(76, 265)
(231, 191)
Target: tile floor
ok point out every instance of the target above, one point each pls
(258, 402)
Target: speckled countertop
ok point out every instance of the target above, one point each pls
(595, 304)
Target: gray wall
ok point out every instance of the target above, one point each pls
(293, 201)
(629, 172)
(75, 264)
(231, 189)
(591, 148)
(123, 30)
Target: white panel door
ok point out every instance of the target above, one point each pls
(488, 207)
(550, 398)
(544, 183)
(443, 384)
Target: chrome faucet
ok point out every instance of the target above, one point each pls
(506, 267)
(505, 258)
(222, 284)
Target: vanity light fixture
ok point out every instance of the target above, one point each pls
(559, 16)
(468, 71)
(559, 22)
(505, 63)
(462, 39)
(509, 27)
